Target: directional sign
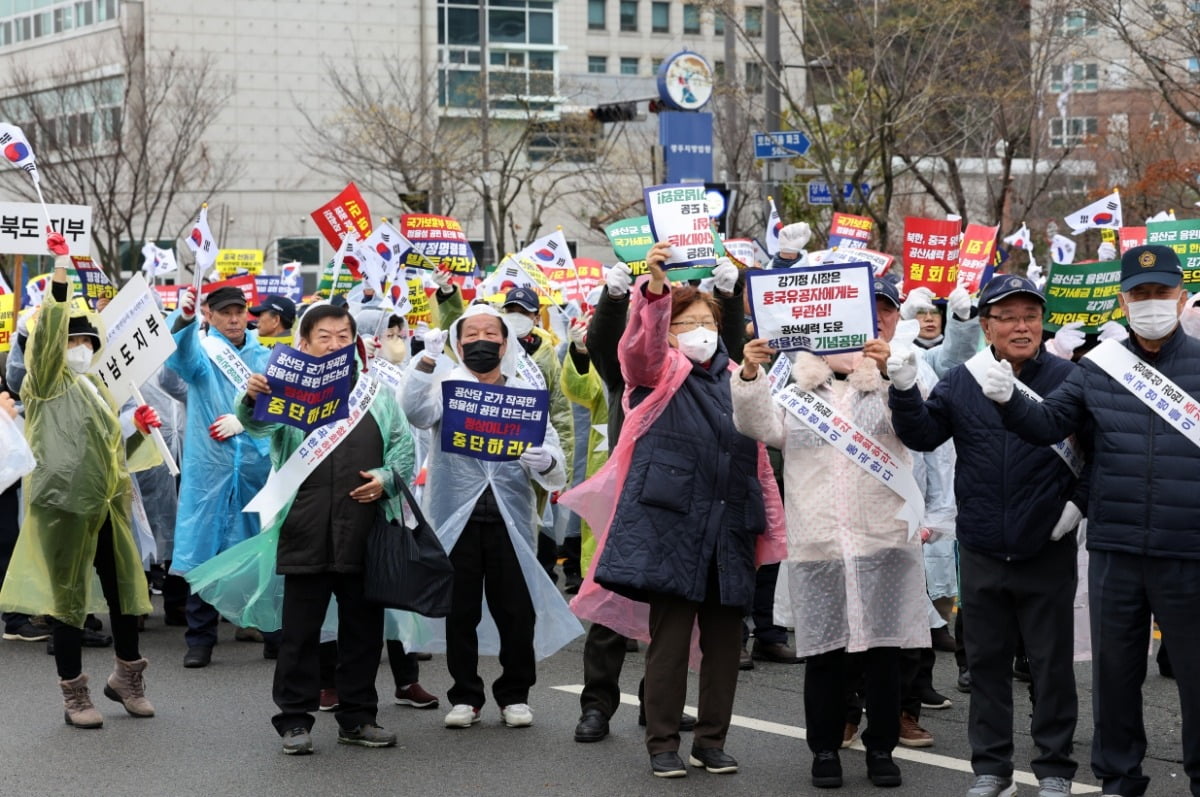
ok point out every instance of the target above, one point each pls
(819, 193)
(781, 144)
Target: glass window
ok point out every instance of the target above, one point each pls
(655, 63)
(1080, 22)
(1077, 129)
(754, 20)
(691, 19)
(596, 14)
(541, 28)
(660, 17)
(629, 15)
(462, 27)
(597, 64)
(718, 23)
(629, 66)
(1084, 77)
(506, 27)
(719, 70)
(754, 76)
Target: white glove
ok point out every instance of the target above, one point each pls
(420, 330)
(371, 345)
(918, 299)
(959, 303)
(1034, 273)
(619, 279)
(724, 275)
(1106, 251)
(187, 303)
(902, 370)
(1114, 330)
(537, 459)
(794, 237)
(1067, 521)
(441, 276)
(435, 341)
(999, 381)
(1067, 340)
(577, 333)
(225, 427)
(23, 324)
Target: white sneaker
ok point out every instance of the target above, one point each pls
(462, 716)
(992, 786)
(1054, 787)
(517, 715)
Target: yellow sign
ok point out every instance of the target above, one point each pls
(231, 261)
(419, 303)
(8, 320)
(271, 343)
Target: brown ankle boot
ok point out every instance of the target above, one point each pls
(77, 704)
(126, 686)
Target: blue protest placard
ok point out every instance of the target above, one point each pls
(306, 391)
(275, 285)
(492, 422)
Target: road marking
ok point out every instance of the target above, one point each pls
(901, 753)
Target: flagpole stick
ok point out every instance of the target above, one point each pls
(37, 186)
(157, 437)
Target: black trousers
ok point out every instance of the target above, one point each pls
(603, 659)
(68, 640)
(297, 687)
(762, 613)
(1033, 598)
(406, 670)
(916, 678)
(485, 563)
(1124, 590)
(826, 679)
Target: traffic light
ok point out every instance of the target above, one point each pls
(614, 112)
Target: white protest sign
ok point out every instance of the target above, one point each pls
(678, 215)
(23, 227)
(822, 309)
(879, 261)
(138, 341)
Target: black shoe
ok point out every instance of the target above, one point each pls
(93, 623)
(932, 699)
(367, 735)
(573, 583)
(778, 653)
(667, 765)
(745, 661)
(631, 645)
(296, 741)
(29, 632)
(423, 656)
(687, 723)
(270, 650)
(827, 770)
(197, 656)
(592, 727)
(881, 769)
(942, 639)
(714, 760)
(964, 681)
(1021, 669)
(95, 639)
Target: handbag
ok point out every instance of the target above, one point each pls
(408, 568)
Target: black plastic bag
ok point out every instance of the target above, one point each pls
(408, 568)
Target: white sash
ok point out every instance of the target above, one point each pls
(1143, 380)
(282, 484)
(227, 361)
(388, 373)
(528, 370)
(781, 371)
(859, 447)
(978, 367)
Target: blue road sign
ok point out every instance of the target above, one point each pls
(819, 193)
(781, 144)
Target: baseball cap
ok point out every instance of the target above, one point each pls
(523, 297)
(1002, 286)
(1153, 263)
(886, 290)
(224, 297)
(282, 306)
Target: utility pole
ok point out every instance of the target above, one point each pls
(488, 253)
(771, 89)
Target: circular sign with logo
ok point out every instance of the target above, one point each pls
(685, 81)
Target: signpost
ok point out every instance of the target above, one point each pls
(819, 192)
(780, 144)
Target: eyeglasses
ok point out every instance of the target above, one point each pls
(689, 326)
(1028, 320)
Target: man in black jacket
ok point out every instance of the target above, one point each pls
(1140, 398)
(1018, 507)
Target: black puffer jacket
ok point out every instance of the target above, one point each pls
(1010, 493)
(1145, 493)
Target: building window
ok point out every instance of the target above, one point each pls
(629, 66)
(655, 63)
(629, 15)
(1077, 129)
(596, 14)
(660, 17)
(1080, 22)
(78, 117)
(1193, 68)
(571, 138)
(754, 77)
(719, 23)
(26, 20)
(1084, 77)
(522, 54)
(597, 64)
(754, 20)
(719, 70)
(691, 19)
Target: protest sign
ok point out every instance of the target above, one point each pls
(975, 256)
(94, 283)
(275, 285)
(1184, 237)
(678, 215)
(1084, 292)
(8, 320)
(590, 273)
(821, 309)
(850, 232)
(281, 340)
(438, 241)
(234, 261)
(879, 261)
(245, 283)
(23, 227)
(419, 307)
(169, 294)
(742, 251)
(1131, 237)
(137, 340)
(346, 211)
(931, 255)
(631, 239)
(492, 422)
(307, 391)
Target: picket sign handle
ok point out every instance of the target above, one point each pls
(156, 436)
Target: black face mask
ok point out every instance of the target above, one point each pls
(481, 356)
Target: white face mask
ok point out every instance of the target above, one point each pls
(79, 358)
(700, 344)
(1153, 319)
(394, 350)
(521, 325)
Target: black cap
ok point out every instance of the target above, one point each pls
(523, 297)
(885, 289)
(1154, 263)
(224, 297)
(282, 306)
(1002, 286)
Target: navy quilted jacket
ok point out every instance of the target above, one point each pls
(1145, 490)
(691, 509)
(1010, 493)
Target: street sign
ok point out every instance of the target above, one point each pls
(819, 193)
(781, 144)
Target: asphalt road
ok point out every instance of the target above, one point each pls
(212, 736)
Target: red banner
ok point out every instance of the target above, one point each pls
(1131, 237)
(931, 254)
(346, 211)
(975, 254)
(850, 232)
(245, 283)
